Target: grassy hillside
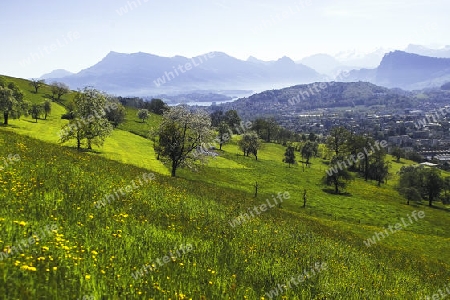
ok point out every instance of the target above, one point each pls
(94, 251)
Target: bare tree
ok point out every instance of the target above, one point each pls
(37, 84)
(58, 90)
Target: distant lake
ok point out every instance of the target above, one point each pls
(203, 103)
(209, 103)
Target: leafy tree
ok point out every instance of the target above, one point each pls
(70, 111)
(266, 129)
(259, 125)
(312, 137)
(7, 103)
(427, 181)
(379, 167)
(397, 153)
(271, 129)
(446, 187)
(250, 144)
(232, 118)
(180, 134)
(357, 144)
(25, 107)
(337, 140)
(411, 194)
(58, 89)
(11, 101)
(37, 84)
(432, 184)
(143, 114)
(89, 120)
(224, 134)
(116, 115)
(36, 110)
(157, 106)
(309, 150)
(217, 117)
(47, 108)
(340, 178)
(289, 155)
(414, 156)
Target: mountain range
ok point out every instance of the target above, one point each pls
(405, 70)
(143, 74)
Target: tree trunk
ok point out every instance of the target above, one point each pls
(174, 168)
(5, 117)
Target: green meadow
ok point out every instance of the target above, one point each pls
(93, 251)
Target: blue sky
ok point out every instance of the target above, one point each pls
(42, 35)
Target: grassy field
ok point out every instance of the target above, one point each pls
(92, 251)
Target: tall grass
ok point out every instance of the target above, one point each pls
(94, 251)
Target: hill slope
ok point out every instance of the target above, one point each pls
(97, 251)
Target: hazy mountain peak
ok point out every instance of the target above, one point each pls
(285, 61)
(59, 73)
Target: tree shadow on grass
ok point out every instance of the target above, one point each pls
(331, 192)
(8, 126)
(439, 208)
(83, 150)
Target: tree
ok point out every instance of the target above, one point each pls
(271, 129)
(397, 153)
(7, 103)
(143, 114)
(58, 89)
(180, 134)
(340, 178)
(312, 137)
(24, 108)
(224, 134)
(411, 194)
(259, 125)
(36, 111)
(232, 118)
(250, 144)
(265, 128)
(89, 120)
(11, 101)
(289, 156)
(309, 150)
(47, 108)
(427, 181)
(446, 188)
(357, 144)
(37, 84)
(337, 140)
(116, 115)
(157, 106)
(379, 167)
(432, 184)
(217, 117)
